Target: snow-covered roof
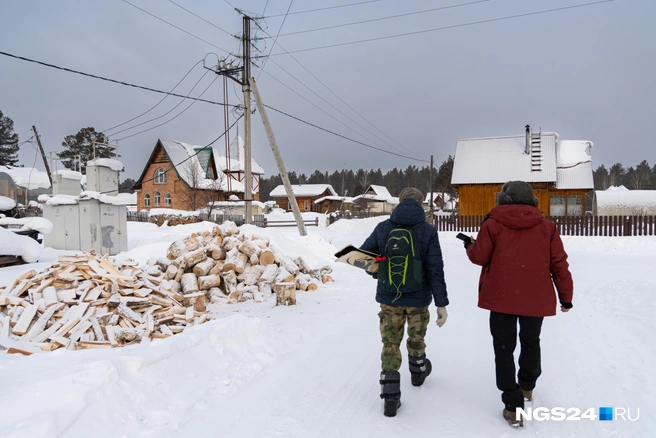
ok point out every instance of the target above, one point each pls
(502, 159)
(379, 191)
(6, 203)
(374, 198)
(107, 162)
(69, 174)
(330, 198)
(236, 162)
(119, 199)
(574, 163)
(27, 177)
(303, 190)
(625, 202)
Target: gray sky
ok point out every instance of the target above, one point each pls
(586, 73)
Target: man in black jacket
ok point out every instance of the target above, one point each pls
(411, 306)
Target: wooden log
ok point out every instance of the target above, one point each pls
(251, 275)
(231, 260)
(228, 228)
(229, 243)
(94, 344)
(234, 296)
(230, 281)
(285, 293)
(258, 296)
(218, 253)
(192, 243)
(240, 264)
(93, 294)
(189, 283)
(189, 315)
(218, 268)
(314, 284)
(199, 305)
(194, 257)
(284, 276)
(302, 264)
(265, 287)
(216, 231)
(209, 281)
(291, 267)
(269, 274)
(18, 311)
(124, 311)
(163, 263)
(204, 267)
(154, 271)
(249, 248)
(171, 272)
(278, 255)
(266, 257)
(327, 279)
(130, 334)
(303, 281)
(217, 291)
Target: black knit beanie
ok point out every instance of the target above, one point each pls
(517, 192)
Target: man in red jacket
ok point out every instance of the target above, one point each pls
(522, 257)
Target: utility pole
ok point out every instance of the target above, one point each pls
(226, 69)
(43, 154)
(276, 154)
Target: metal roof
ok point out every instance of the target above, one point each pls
(502, 159)
(303, 190)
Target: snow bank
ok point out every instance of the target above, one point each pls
(43, 198)
(16, 245)
(6, 203)
(40, 224)
(119, 199)
(27, 177)
(107, 162)
(625, 202)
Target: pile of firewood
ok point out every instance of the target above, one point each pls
(87, 301)
(229, 266)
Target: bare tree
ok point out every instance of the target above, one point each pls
(201, 191)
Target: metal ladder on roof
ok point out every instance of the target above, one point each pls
(536, 152)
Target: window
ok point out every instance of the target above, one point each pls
(574, 205)
(157, 199)
(167, 200)
(146, 200)
(160, 176)
(306, 205)
(557, 206)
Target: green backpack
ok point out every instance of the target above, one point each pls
(401, 267)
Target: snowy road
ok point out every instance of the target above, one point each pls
(312, 370)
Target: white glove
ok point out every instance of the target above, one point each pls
(441, 316)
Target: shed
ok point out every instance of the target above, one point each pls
(23, 184)
(560, 171)
(376, 199)
(305, 195)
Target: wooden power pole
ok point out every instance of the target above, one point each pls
(43, 154)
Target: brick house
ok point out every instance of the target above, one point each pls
(306, 195)
(186, 177)
(560, 171)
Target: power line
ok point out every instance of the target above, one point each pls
(275, 39)
(157, 104)
(385, 18)
(171, 119)
(473, 23)
(198, 16)
(324, 9)
(113, 80)
(169, 111)
(173, 25)
(343, 136)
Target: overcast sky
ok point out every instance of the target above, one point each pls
(587, 73)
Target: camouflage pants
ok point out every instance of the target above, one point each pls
(392, 324)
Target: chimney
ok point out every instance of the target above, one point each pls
(528, 140)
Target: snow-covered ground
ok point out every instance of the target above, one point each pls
(311, 370)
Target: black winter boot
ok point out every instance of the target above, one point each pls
(390, 391)
(420, 368)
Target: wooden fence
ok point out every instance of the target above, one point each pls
(290, 223)
(567, 225)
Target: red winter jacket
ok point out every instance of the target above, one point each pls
(521, 253)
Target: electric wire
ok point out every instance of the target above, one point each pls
(343, 136)
(166, 113)
(324, 9)
(157, 104)
(113, 80)
(275, 39)
(169, 120)
(198, 16)
(173, 25)
(455, 26)
(384, 18)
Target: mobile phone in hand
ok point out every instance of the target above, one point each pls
(464, 238)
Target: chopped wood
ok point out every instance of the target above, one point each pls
(285, 293)
(327, 279)
(189, 283)
(203, 268)
(25, 320)
(94, 344)
(50, 296)
(266, 257)
(199, 304)
(240, 263)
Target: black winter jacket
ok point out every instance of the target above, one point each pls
(407, 214)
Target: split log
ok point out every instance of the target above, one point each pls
(303, 281)
(216, 292)
(231, 260)
(265, 287)
(240, 264)
(216, 231)
(218, 253)
(327, 279)
(269, 274)
(170, 273)
(189, 283)
(290, 266)
(154, 271)
(50, 296)
(249, 248)
(302, 264)
(163, 263)
(209, 281)
(218, 268)
(204, 267)
(251, 275)
(194, 257)
(192, 243)
(229, 243)
(176, 249)
(199, 305)
(266, 257)
(230, 281)
(25, 320)
(283, 276)
(285, 293)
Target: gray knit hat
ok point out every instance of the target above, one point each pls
(517, 192)
(411, 192)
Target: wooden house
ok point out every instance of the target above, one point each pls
(186, 177)
(560, 172)
(376, 199)
(306, 195)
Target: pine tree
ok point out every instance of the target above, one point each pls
(601, 178)
(81, 144)
(8, 142)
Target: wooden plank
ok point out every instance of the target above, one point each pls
(111, 335)
(64, 342)
(93, 294)
(46, 333)
(189, 317)
(166, 330)
(66, 294)
(94, 344)
(40, 325)
(50, 296)
(79, 330)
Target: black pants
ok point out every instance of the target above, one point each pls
(504, 336)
